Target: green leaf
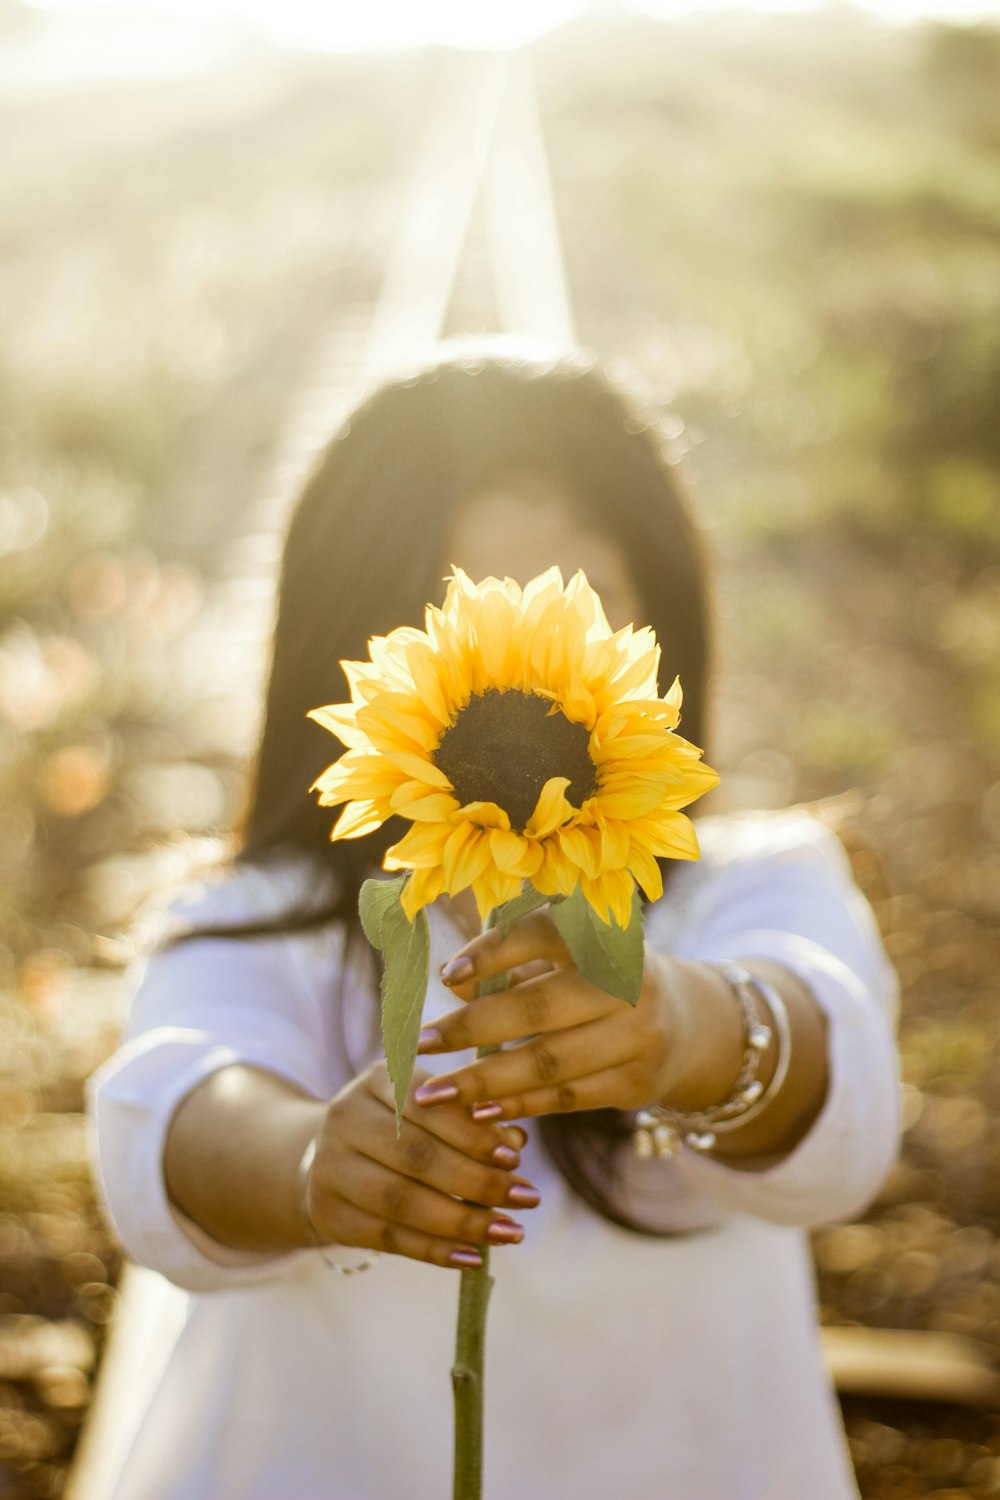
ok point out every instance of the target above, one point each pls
(504, 917)
(608, 956)
(406, 948)
(375, 899)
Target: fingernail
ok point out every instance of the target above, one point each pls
(485, 1111)
(506, 1156)
(522, 1136)
(457, 970)
(468, 1259)
(430, 1039)
(523, 1195)
(505, 1232)
(435, 1091)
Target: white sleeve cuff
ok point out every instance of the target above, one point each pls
(837, 1169)
(131, 1100)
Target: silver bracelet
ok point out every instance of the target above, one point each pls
(659, 1131)
(302, 1197)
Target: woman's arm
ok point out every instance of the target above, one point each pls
(231, 1153)
(201, 1115)
(434, 1192)
(790, 912)
(681, 1044)
(710, 1037)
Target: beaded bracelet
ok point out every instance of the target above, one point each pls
(302, 1185)
(659, 1131)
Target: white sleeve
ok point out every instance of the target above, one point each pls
(796, 903)
(194, 1008)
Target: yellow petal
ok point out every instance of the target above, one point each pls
(492, 889)
(423, 887)
(551, 809)
(495, 634)
(588, 604)
(646, 871)
(595, 893)
(630, 804)
(670, 834)
(361, 780)
(386, 725)
(418, 768)
(614, 841)
(424, 669)
(421, 803)
(421, 846)
(620, 886)
(513, 854)
(558, 876)
(579, 846)
(610, 895)
(470, 860)
(485, 815)
(341, 720)
(357, 819)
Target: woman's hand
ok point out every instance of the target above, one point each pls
(432, 1195)
(585, 1048)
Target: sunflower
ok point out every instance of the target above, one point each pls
(524, 740)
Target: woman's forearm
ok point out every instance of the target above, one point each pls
(231, 1153)
(713, 1041)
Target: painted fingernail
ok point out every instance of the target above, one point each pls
(457, 970)
(506, 1156)
(485, 1111)
(505, 1232)
(523, 1195)
(467, 1259)
(430, 1039)
(435, 1091)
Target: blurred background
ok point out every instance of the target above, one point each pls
(218, 223)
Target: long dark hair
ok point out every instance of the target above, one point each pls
(363, 556)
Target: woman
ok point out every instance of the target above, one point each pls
(653, 1328)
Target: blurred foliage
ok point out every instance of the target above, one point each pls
(793, 228)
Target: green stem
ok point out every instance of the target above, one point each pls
(470, 1340)
(467, 1379)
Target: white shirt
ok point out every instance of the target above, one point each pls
(617, 1365)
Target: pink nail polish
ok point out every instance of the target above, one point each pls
(506, 1156)
(435, 1091)
(523, 1195)
(467, 1259)
(457, 970)
(430, 1039)
(505, 1232)
(487, 1110)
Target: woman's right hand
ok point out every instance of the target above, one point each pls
(433, 1194)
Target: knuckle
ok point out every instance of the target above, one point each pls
(472, 1225)
(546, 1064)
(485, 1187)
(395, 1198)
(389, 1239)
(536, 1007)
(565, 1096)
(496, 1188)
(456, 1033)
(419, 1152)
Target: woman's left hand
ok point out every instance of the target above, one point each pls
(578, 1047)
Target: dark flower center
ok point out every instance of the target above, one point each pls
(503, 747)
